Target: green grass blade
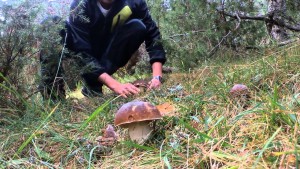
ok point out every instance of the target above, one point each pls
(266, 146)
(215, 125)
(167, 163)
(295, 98)
(12, 90)
(16, 162)
(192, 129)
(34, 133)
(96, 112)
(91, 155)
(41, 154)
(242, 114)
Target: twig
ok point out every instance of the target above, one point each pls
(192, 32)
(239, 23)
(212, 52)
(187, 34)
(160, 153)
(59, 63)
(187, 152)
(287, 42)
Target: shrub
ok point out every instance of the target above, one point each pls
(17, 49)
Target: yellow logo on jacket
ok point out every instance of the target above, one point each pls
(121, 17)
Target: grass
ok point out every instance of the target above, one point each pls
(208, 130)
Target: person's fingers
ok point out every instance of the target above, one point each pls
(154, 84)
(132, 89)
(123, 92)
(149, 85)
(135, 90)
(128, 89)
(123, 95)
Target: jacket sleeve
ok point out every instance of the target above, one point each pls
(153, 38)
(79, 23)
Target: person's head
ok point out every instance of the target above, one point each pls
(106, 3)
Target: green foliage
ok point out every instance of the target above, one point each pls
(23, 34)
(193, 30)
(44, 122)
(97, 112)
(16, 52)
(293, 11)
(188, 31)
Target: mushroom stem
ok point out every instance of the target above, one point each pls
(139, 131)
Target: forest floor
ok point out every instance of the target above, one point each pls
(204, 125)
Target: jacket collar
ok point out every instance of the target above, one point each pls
(116, 7)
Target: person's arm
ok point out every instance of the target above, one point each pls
(156, 72)
(153, 43)
(81, 29)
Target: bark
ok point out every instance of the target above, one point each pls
(277, 21)
(277, 12)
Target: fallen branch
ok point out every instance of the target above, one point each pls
(287, 42)
(266, 18)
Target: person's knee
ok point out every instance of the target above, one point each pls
(137, 26)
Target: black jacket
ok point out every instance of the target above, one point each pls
(91, 30)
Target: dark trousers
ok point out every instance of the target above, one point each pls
(123, 43)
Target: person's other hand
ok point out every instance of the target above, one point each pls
(154, 84)
(126, 90)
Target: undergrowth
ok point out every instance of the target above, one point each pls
(208, 129)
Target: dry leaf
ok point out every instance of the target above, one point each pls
(291, 158)
(167, 109)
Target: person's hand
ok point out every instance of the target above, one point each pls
(126, 89)
(154, 84)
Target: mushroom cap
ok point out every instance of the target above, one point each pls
(239, 89)
(136, 111)
(141, 83)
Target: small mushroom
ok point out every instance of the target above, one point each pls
(141, 84)
(240, 94)
(239, 90)
(109, 132)
(136, 116)
(109, 136)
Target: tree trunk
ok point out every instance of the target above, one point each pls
(277, 11)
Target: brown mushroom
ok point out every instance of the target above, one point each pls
(109, 136)
(240, 94)
(136, 116)
(239, 90)
(141, 84)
